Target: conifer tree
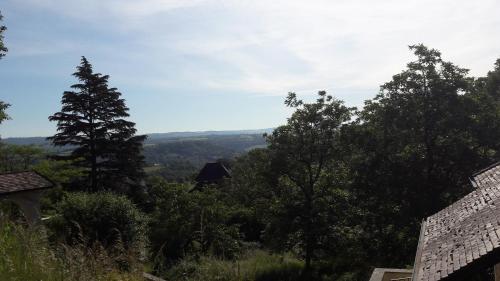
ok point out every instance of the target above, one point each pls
(92, 120)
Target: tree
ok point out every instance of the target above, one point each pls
(3, 114)
(92, 119)
(306, 154)
(19, 157)
(3, 49)
(190, 223)
(414, 147)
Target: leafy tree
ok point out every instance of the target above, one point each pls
(19, 157)
(3, 49)
(3, 114)
(485, 105)
(307, 156)
(92, 119)
(413, 148)
(61, 172)
(190, 223)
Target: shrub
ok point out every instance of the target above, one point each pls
(100, 217)
(190, 223)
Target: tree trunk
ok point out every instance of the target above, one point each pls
(308, 235)
(93, 171)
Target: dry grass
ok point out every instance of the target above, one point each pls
(25, 255)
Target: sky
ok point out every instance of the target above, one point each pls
(192, 65)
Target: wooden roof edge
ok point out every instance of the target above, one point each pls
(418, 255)
(489, 167)
(51, 182)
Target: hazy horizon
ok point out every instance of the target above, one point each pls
(243, 131)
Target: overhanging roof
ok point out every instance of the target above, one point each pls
(464, 235)
(22, 181)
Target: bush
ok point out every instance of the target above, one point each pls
(100, 217)
(187, 223)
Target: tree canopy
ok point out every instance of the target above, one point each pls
(92, 120)
(3, 49)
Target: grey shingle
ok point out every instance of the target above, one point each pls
(462, 233)
(22, 181)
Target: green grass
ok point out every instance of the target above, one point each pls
(255, 266)
(25, 255)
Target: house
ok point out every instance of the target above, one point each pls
(464, 238)
(25, 190)
(212, 173)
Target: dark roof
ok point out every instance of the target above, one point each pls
(213, 172)
(464, 235)
(22, 181)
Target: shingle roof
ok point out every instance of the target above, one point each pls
(22, 181)
(212, 172)
(462, 234)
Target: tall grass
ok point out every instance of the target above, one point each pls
(25, 255)
(256, 265)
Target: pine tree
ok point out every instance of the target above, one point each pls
(92, 119)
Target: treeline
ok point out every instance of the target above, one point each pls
(346, 189)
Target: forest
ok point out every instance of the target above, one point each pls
(329, 195)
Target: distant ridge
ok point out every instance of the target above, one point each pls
(151, 137)
(207, 133)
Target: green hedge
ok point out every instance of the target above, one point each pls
(100, 217)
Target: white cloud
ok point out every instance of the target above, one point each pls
(277, 46)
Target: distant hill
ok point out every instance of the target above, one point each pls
(152, 138)
(179, 159)
(27, 141)
(178, 156)
(179, 135)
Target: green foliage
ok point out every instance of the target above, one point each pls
(99, 217)
(3, 50)
(15, 158)
(255, 265)
(185, 223)
(25, 255)
(92, 119)
(3, 115)
(306, 153)
(61, 172)
(413, 149)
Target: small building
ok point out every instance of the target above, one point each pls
(463, 239)
(212, 173)
(391, 274)
(25, 190)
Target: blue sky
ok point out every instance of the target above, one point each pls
(187, 65)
